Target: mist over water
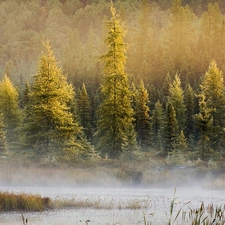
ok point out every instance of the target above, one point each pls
(159, 203)
(158, 199)
(154, 190)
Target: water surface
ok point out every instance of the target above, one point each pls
(157, 211)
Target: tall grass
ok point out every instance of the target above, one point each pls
(22, 202)
(204, 215)
(99, 203)
(209, 215)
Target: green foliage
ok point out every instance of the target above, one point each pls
(49, 127)
(212, 88)
(115, 115)
(142, 117)
(157, 126)
(176, 97)
(3, 142)
(189, 98)
(9, 108)
(204, 122)
(84, 111)
(163, 38)
(170, 128)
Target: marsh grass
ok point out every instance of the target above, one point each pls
(208, 215)
(22, 202)
(99, 203)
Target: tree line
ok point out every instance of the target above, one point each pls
(135, 101)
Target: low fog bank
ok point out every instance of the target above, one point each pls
(103, 173)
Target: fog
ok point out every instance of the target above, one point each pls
(118, 197)
(107, 175)
(157, 211)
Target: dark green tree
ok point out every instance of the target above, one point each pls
(157, 126)
(170, 129)
(204, 123)
(142, 117)
(84, 111)
(165, 89)
(3, 142)
(189, 100)
(49, 127)
(115, 115)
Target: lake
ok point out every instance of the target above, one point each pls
(156, 211)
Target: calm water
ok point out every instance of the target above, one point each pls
(157, 211)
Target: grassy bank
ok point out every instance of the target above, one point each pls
(24, 202)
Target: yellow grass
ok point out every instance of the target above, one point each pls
(22, 202)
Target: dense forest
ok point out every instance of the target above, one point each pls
(84, 78)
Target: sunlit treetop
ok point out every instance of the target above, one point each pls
(115, 56)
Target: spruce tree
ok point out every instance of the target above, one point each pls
(115, 115)
(3, 142)
(176, 97)
(170, 129)
(142, 117)
(84, 111)
(204, 123)
(212, 88)
(9, 108)
(157, 126)
(49, 127)
(165, 90)
(189, 98)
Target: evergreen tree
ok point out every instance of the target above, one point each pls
(49, 127)
(26, 94)
(154, 96)
(3, 142)
(9, 108)
(142, 117)
(84, 111)
(170, 129)
(176, 97)
(204, 122)
(165, 89)
(115, 115)
(157, 126)
(190, 106)
(212, 88)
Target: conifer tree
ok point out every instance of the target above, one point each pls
(9, 108)
(115, 115)
(84, 111)
(177, 156)
(190, 105)
(204, 122)
(170, 129)
(142, 117)
(212, 88)
(176, 97)
(165, 89)
(157, 126)
(49, 127)
(3, 142)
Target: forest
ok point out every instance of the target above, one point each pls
(90, 78)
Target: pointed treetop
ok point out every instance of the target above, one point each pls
(113, 10)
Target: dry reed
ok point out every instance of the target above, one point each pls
(22, 202)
